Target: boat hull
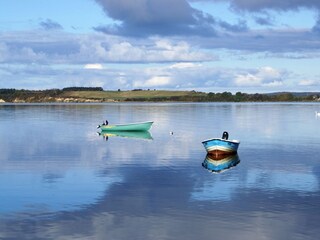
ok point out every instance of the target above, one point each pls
(218, 165)
(218, 146)
(143, 126)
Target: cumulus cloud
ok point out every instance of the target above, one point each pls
(265, 76)
(158, 17)
(188, 76)
(180, 76)
(172, 35)
(256, 6)
(28, 47)
(149, 12)
(11, 54)
(179, 18)
(248, 80)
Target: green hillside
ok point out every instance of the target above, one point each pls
(145, 95)
(85, 94)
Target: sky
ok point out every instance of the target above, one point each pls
(203, 45)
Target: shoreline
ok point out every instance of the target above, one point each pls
(101, 96)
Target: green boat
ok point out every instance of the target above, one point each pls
(126, 134)
(141, 126)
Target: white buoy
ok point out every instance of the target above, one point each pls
(171, 133)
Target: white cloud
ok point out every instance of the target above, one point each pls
(269, 72)
(171, 63)
(183, 65)
(153, 50)
(125, 51)
(163, 44)
(93, 66)
(94, 48)
(247, 80)
(157, 81)
(307, 82)
(265, 76)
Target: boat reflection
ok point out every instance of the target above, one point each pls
(218, 164)
(126, 134)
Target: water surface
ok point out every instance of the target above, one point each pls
(60, 180)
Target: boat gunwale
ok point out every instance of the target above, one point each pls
(220, 139)
(128, 124)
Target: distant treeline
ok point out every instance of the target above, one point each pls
(256, 97)
(238, 97)
(82, 89)
(51, 95)
(9, 95)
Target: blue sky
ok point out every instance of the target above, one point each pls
(204, 45)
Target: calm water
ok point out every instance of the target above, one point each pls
(60, 180)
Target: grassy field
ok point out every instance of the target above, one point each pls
(123, 95)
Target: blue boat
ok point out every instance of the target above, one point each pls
(217, 164)
(221, 146)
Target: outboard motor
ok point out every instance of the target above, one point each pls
(105, 123)
(225, 135)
